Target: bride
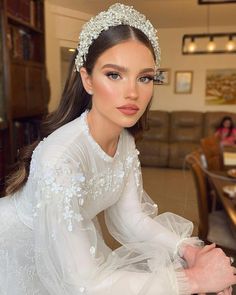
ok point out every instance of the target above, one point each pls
(87, 162)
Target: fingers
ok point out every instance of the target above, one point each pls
(208, 248)
(227, 291)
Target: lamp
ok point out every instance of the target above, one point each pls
(192, 45)
(211, 45)
(230, 45)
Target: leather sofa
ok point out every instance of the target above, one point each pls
(172, 135)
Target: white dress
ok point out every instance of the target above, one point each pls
(50, 241)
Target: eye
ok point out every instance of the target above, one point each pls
(113, 75)
(146, 79)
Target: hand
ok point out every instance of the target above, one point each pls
(212, 271)
(190, 253)
(227, 291)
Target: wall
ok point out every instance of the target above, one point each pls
(62, 30)
(172, 58)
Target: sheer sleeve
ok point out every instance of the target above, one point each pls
(69, 260)
(134, 222)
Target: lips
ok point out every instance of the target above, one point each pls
(128, 109)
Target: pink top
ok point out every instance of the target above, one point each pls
(226, 140)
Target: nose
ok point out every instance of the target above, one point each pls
(131, 91)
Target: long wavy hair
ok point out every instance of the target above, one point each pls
(75, 100)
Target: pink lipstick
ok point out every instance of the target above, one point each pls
(128, 109)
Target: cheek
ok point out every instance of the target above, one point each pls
(147, 94)
(104, 90)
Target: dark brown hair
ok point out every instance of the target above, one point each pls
(75, 100)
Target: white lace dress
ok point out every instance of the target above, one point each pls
(50, 242)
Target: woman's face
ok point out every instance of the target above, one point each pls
(121, 83)
(227, 123)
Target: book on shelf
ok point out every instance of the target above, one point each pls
(13, 7)
(20, 43)
(30, 11)
(24, 10)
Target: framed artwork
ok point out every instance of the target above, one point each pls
(183, 82)
(216, 1)
(220, 87)
(162, 77)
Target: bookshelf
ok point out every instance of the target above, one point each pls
(24, 89)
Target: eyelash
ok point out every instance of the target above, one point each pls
(110, 74)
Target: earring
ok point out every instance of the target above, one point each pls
(90, 92)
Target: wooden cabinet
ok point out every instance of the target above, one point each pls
(24, 91)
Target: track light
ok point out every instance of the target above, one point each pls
(230, 45)
(209, 43)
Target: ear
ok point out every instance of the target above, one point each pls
(86, 80)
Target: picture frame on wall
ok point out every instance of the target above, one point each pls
(219, 87)
(162, 77)
(216, 1)
(183, 82)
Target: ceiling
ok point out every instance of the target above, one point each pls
(165, 13)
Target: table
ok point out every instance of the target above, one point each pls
(228, 204)
(229, 153)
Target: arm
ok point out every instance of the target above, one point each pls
(68, 259)
(132, 218)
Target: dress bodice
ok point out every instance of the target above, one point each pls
(71, 162)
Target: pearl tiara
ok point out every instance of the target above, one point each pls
(117, 14)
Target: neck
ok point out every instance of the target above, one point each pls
(107, 140)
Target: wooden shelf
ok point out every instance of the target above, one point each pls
(24, 88)
(3, 125)
(20, 61)
(18, 21)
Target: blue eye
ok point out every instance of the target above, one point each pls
(113, 76)
(146, 79)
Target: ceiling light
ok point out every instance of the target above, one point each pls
(211, 46)
(209, 43)
(230, 45)
(192, 45)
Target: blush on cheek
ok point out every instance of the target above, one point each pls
(105, 90)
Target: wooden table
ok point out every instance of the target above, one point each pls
(228, 204)
(229, 154)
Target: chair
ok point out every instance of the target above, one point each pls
(213, 153)
(214, 226)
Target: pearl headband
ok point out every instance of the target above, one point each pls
(117, 14)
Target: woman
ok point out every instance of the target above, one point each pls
(226, 132)
(50, 239)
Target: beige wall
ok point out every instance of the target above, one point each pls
(62, 30)
(171, 42)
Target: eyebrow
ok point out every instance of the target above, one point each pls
(124, 69)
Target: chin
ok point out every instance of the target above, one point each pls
(129, 123)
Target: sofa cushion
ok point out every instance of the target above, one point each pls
(158, 126)
(153, 153)
(186, 126)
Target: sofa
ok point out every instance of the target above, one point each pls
(170, 136)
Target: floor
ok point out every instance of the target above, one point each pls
(173, 190)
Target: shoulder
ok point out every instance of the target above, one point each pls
(65, 142)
